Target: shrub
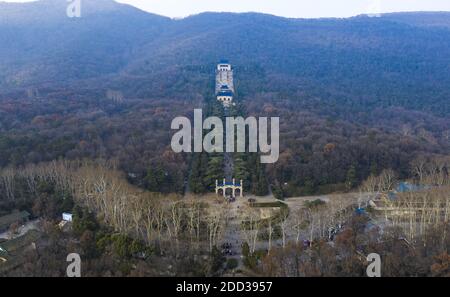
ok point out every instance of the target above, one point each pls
(232, 264)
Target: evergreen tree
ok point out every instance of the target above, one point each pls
(196, 177)
(155, 178)
(240, 171)
(214, 171)
(351, 179)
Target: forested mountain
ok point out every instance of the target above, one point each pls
(86, 106)
(40, 44)
(397, 59)
(354, 96)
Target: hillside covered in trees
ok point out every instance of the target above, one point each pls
(354, 96)
(86, 106)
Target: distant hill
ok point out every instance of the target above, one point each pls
(398, 59)
(424, 19)
(40, 44)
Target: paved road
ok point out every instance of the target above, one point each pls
(232, 233)
(31, 225)
(228, 166)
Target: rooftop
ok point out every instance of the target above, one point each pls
(404, 187)
(225, 93)
(229, 184)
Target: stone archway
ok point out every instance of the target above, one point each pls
(232, 186)
(228, 191)
(220, 191)
(237, 192)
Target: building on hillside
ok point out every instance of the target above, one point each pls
(66, 223)
(224, 83)
(404, 187)
(67, 217)
(226, 97)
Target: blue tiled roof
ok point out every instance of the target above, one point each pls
(230, 184)
(407, 187)
(360, 211)
(225, 93)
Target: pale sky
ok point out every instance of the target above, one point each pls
(287, 8)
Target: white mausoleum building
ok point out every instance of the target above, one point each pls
(224, 83)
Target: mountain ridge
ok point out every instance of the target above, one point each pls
(406, 54)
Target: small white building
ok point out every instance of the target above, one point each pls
(67, 217)
(224, 67)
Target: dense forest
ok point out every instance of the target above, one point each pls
(354, 96)
(120, 230)
(85, 113)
